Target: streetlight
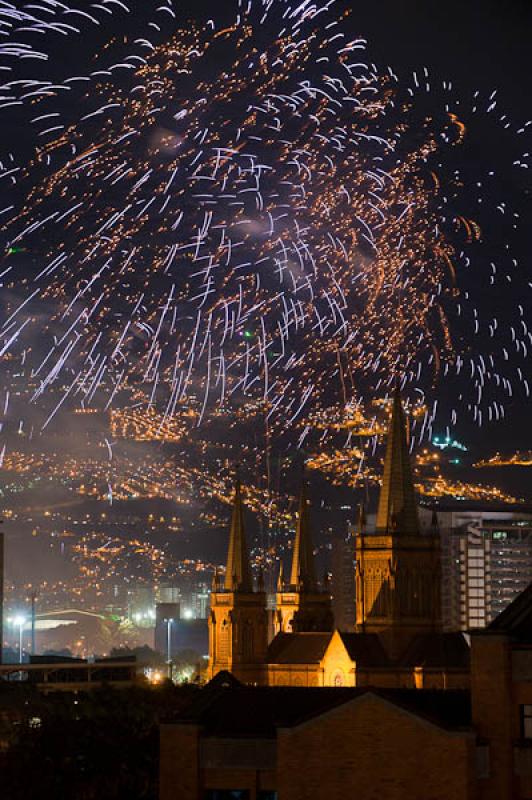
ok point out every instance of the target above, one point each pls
(169, 622)
(19, 620)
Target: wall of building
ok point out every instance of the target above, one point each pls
(501, 683)
(294, 675)
(337, 665)
(190, 765)
(373, 750)
(521, 695)
(179, 763)
(412, 678)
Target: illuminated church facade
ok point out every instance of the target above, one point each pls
(398, 639)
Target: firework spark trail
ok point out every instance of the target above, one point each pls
(211, 196)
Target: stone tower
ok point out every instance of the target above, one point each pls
(238, 630)
(301, 605)
(397, 567)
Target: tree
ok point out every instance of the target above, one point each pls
(146, 656)
(103, 744)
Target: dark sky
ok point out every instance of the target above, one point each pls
(482, 44)
(478, 41)
(487, 41)
(478, 44)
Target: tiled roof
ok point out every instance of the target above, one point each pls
(235, 710)
(516, 619)
(298, 648)
(437, 650)
(365, 649)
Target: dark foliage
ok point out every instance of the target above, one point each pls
(102, 745)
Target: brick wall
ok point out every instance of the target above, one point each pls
(492, 705)
(179, 762)
(373, 750)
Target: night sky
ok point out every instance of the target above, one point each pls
(478, 45)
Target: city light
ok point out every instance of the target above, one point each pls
(19, 620)
(446, 443)
(518, 459)
(184, 675)
(154, 676)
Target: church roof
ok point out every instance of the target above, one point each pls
(434, 650)
(365, 649)
(238, 572)
(303, 573)
(298, 648)
(516, 619)
(238, 711)
(397, 509)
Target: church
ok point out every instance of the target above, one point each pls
(397, 642)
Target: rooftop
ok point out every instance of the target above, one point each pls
(227, 708)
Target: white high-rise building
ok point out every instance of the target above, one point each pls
(486, 562)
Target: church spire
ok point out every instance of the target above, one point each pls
(303, 574)
(362, 521)
(238, 572)
(397, 509)
(280, 579)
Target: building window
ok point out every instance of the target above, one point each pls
(526, 721)
(266, 794)
(226, 794)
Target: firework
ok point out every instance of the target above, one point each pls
(213, 213)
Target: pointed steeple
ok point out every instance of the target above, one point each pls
(397, 511)
(303, 574)
(280, 579)
(238, 572)
(362, 521)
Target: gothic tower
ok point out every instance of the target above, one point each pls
(238, 631)
(397, 567)
(301, 605)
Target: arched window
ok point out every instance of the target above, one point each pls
(338, 679)
(223, 647)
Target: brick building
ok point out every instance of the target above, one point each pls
(237, 742)
(501, 692)
(262, 743)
